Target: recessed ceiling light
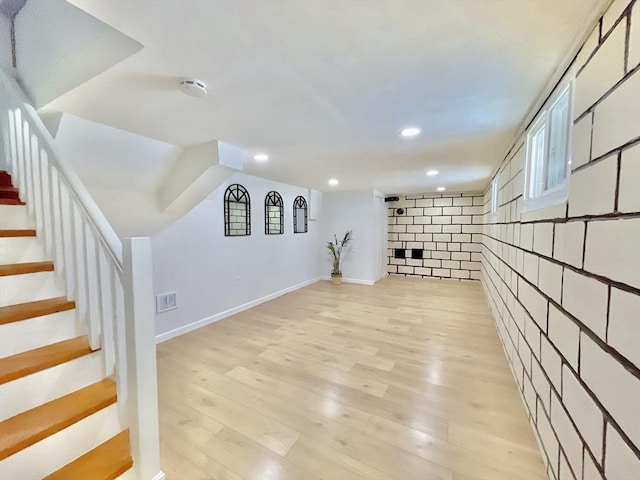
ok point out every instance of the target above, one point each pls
(431, 173)
(333, 182)
(441, 189)
(410, 132)
(261, 157)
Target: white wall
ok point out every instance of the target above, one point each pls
(193, 257)
(5, 43)
(59, 46)
(121, 170)
(361, 211)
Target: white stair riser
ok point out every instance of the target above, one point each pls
(21, 250)
(52, 453)
(18, 337)
(30, 287)
(41, 387)
(15, 217)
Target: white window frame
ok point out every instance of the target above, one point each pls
(559, 193)
(494, 196)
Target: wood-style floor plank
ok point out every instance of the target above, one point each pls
(404, 380)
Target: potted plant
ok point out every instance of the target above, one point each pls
(336, 247)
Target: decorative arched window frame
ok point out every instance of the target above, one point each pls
(237, 211)
(300, 204)
(273, 214)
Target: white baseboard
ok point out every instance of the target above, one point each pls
(351, 280)
(163, 337)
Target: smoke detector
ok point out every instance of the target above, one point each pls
(193, 87)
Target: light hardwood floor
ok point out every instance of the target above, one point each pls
(404, 380)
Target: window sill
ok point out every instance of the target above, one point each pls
(557, 196)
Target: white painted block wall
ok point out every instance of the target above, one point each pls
(570, 323)
(446, 227)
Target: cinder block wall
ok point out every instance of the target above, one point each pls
(446, 228)
(564, 282)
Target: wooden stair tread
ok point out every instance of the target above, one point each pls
(23, 268)
(26, 363)
(105, 462)
(18, 233)
(27, 428)
(39, 308)
(11, 201)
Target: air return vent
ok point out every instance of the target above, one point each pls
(166, 301)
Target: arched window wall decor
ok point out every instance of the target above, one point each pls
(237, 211)
(300, 215)
(273, 214)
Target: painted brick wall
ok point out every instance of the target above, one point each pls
(446, 228)
(564, 282)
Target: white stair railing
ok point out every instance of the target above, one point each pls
(109, 279)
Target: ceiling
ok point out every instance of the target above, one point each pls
(324, 87)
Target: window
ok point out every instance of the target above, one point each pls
(494, 196)
(273, 214)
(548, 154)
(237, 211)
(300, 215)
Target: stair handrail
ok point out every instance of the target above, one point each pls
(99, 222)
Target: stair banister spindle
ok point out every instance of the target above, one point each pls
(38, 189)
(14, 144)
(20, 151)
(40, 205)
(108, 279)
(57, 218)
(48, 206)
(68, 239)
(79, 262)
(120, 338)
(93, 310)
(11, 135)
(26, 145)
(31, 179)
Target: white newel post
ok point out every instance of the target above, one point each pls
(142, 384)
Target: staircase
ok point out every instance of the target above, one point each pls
(58, 410)
(78, 379)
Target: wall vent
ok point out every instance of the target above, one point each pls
(399, 253)
(417, 253)
(166, 301)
